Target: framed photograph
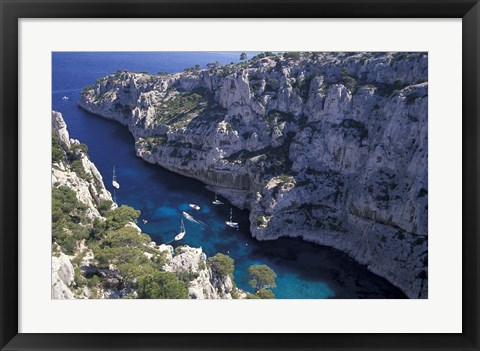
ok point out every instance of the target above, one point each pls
(238, 175)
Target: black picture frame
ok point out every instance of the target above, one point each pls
(11, 11)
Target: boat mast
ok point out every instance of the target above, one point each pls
(114, 180)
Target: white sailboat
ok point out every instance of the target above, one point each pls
(182, 231)
(187, 216)
(216, 201)
(230, 223)
(195, 207)
(114, 181)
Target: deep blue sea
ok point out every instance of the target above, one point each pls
(305, 271)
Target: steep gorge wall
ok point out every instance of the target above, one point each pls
(328, 147)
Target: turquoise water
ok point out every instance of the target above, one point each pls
(304, 270)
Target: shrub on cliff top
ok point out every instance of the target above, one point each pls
(265, 294)
(221, 264)
(261, 277)
(82, 147)
(161, 285)
(294, 55)
(120, 216)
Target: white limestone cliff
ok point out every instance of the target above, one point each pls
(330, 147)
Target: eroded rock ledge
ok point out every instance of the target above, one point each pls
(330, 147)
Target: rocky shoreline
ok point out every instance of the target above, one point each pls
(330, 147)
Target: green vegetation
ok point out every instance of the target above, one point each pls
(235, 293)
(301, 87)
(82, 147)
(261, 277)
(286, 179)
(410, 98)
(221, 264)
(86, 89)
(182, 107)
(151, 144)
(72, 156)
(68, 219)
(293, 55)
(261, 221)
(122, 215)
(187, 276)
(265, 294)
(116, 245)
(161, 285)
(398, 84)
(272, 161)
(124, 249)
(58, 154)
(178, 250)
(421, 80)
(388, 89)
(261, 56)
(212, 66)
(399, 56)
(271, 85)
(104, 207)
(353, 129)
(349, 81)
(77, 167)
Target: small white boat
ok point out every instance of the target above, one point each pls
(144, 221)
(216, 201)
(114, 180)
(65, 98)
(195, 207)
(182, 231)
(187, 216)
(230, 223)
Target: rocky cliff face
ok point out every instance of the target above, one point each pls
(330, 147)
(89, 189)
(205, 283)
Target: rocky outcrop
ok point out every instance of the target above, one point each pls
(59, 128)
(62, 277)
(88, 185)
(205, 283)
(330, 147)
